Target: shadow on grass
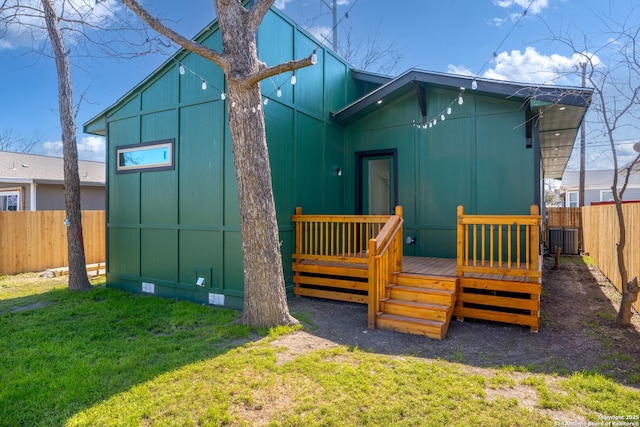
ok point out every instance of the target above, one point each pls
(577, 332)
(63, 352)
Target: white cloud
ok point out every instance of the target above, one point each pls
(281, 4)
(321, 32)
(24, 20)
(533, 67)
(459, 70)
(89, 148)
(536, 7)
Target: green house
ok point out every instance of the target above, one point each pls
(341, 142)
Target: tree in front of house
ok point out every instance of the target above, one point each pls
(23, 24)
(265, 302)
(613, 71)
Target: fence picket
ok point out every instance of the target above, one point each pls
(37, 240)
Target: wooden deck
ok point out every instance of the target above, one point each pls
(419, 295)
(429, 266)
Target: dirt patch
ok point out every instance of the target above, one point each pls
(31, 307)
(577, 331)
(297, 344)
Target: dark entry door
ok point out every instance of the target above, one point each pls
(377, 183)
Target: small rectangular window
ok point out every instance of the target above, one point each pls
(606, 195)
(145, 157)
(572, 199)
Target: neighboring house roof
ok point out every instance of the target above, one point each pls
(20, 167)
(559, 110)
(596, 180)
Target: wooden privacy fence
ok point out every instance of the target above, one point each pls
(36, 241)
(601, 232)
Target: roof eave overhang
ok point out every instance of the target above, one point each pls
(554, 94)
(558, 110)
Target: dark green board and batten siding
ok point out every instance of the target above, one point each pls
(476, 158)
(167, 228)
(170, 227)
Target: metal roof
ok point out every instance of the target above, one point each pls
(558, 110)
(20, 167)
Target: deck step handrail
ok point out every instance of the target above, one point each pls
(385, 259)
(335, 238)
(507, 245)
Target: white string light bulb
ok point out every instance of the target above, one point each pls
(474, 84)
(266, 101)
(181, 69)
(293, 79)
(233, 104)
(442, 117)
(448, 110)
(204, 85)
(460, 100)
(314, 58)
(279, 93)
(223, 96)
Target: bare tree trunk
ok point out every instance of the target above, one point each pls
(265, 300)
(78, 279)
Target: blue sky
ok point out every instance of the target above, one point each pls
(489, 38)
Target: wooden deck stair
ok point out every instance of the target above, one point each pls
(418, 304)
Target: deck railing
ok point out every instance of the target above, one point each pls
(373, 241)
(385, 258)
(340, 238)
(507, 245)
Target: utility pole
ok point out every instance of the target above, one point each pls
(583, 65)
(334, 31)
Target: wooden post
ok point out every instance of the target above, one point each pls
(298, 249)
(372, 308)
(298, 233)
(556, 264)
(534, 241)
(400, 246)
(460, 252)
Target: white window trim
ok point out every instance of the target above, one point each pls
(7, 193)
(568, 200)
(602, 192)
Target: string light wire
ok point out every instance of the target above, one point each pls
(428, 123)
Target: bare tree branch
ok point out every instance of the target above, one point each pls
(210, 54)
(265, 73)
(257, 13)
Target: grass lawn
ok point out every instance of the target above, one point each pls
(106, 357)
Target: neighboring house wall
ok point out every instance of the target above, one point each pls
(598, 187)
(38, 182)
(50, 197)
(476, 158)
